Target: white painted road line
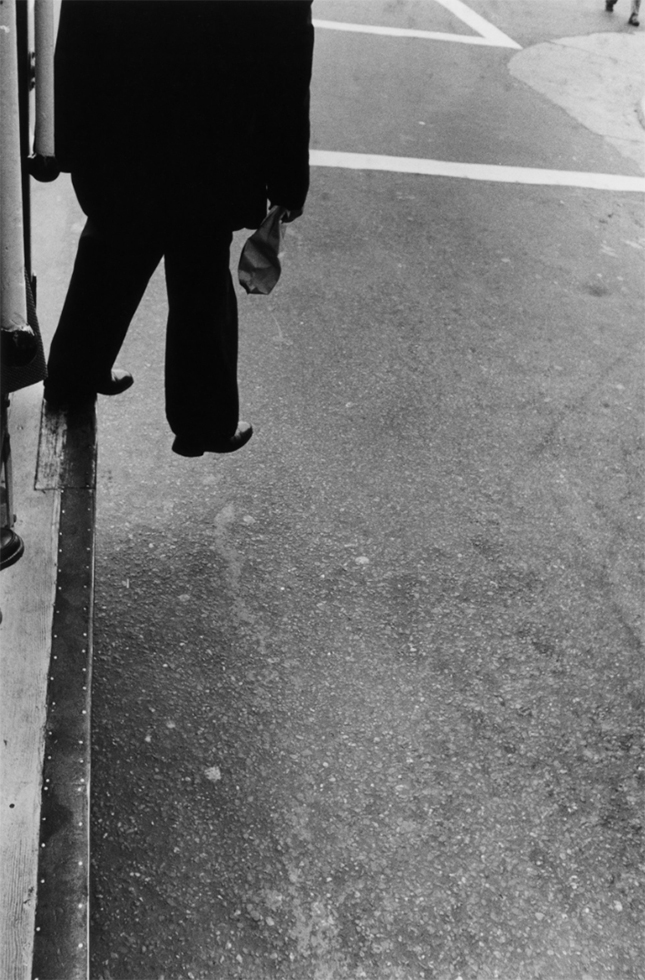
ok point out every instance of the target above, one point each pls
(483, 27)
(335, 25)
(487, 35)
(477, 171)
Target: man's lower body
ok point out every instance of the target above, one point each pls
(118, 252)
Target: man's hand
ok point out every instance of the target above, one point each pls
(291, 215)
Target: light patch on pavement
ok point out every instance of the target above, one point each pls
(477, 171)
(487, 34)
(599, 79)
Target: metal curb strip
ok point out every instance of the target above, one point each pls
(61, 941)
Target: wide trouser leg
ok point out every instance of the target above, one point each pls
(202, 401)
(112, 269)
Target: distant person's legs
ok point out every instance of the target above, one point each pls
(635, 10)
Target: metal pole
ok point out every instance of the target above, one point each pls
(41, 164)
(13, 301)
(25, 85)
(44, 31)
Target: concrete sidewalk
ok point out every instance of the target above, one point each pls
(599, 79)
(47, 600)
(28, 591)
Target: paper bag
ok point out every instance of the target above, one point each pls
(259, 268)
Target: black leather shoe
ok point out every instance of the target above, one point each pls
(61, 399)
(11, 547)
(118, 382)
(189, 447)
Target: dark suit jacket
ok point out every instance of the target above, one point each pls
(203, 98)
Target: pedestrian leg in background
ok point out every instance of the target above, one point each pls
(635, 11)
(202, 402)
(112, 269)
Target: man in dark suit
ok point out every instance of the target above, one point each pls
(178, 120)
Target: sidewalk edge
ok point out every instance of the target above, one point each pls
(61, 940)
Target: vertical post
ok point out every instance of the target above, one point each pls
(44, 32)
(25, 85)
(13, 301)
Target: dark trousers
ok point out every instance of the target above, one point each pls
(118, 252)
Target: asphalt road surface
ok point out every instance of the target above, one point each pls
(367, 696)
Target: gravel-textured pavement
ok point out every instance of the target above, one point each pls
(367, 697)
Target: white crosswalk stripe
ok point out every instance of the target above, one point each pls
(477, 171)
(486, 34)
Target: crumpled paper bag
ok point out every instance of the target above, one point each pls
(259, 268)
